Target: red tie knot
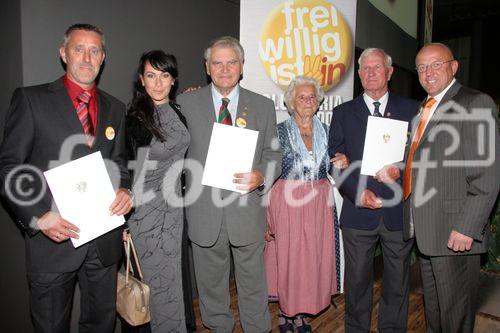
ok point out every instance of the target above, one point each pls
(84, 97)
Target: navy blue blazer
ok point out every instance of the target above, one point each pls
(347, 136)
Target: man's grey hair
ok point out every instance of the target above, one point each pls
(225, 42)
(371, 50)
(298, 81)
(85, 27)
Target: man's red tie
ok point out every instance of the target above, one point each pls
(224, 115)
(83, 114)
(414, 144)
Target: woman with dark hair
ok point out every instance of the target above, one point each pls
(158, 140)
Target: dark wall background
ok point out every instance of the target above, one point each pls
(11, 65)
(471, 28)
(374, 29)
(131, 27)
(14, 314)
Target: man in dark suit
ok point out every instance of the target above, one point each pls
(220, 222)
(367, 218)
(62, 121)
(451, 182)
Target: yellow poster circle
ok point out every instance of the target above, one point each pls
(306, 37)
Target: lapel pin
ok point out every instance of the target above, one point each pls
(241, 122)
(110, 133)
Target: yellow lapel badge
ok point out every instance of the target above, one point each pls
(110, 133)
(241, 122)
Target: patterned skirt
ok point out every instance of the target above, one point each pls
(302, 262)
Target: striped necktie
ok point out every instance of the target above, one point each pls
(224, 115)
(82, 111)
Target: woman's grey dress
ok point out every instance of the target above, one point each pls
(157, 222)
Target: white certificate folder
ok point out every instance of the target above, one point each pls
(83, 193)
(385, 142)
(231, 151)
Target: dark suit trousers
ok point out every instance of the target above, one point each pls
(450, 292)
(359, 248)
(51, 297)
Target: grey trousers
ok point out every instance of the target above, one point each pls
(450, 292)
(212, 268)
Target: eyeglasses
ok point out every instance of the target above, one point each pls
(434, 65)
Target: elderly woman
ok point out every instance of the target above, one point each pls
(300, 254)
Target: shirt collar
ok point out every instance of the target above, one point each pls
(440, 96)
(382, 100)
(218, 96)
(74, 89)
(233, 97)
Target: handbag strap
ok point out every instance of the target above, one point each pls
(129, 244)
(128, 266)
(136, 259)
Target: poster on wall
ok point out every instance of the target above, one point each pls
(283, 39)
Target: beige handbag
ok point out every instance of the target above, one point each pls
(132, 295)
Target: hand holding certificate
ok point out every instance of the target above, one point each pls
(385, 142)
(83, 194)
(231, 151)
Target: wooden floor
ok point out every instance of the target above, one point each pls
(332, 319)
